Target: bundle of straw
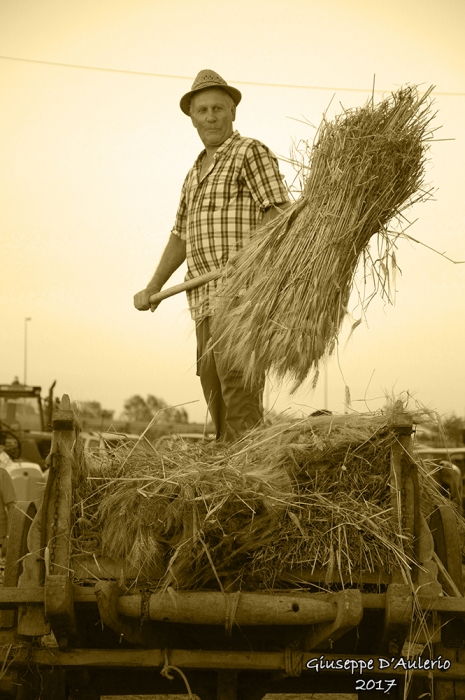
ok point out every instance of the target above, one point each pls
(311, 494)
(282, 306)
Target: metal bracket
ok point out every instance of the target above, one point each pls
(108, 593)
(349, 614)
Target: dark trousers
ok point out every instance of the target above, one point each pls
(234, 407)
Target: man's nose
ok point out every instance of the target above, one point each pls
(211, 116)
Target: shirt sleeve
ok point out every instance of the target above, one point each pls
(180, 225)
(6, 485)
(262, 176)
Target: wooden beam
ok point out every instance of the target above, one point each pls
(59, 605)
(453, 605)
(10, 597)
(208, 660)
(215, 608)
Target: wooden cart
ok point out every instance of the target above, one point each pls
(61, 639)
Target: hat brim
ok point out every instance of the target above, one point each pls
(186, 99)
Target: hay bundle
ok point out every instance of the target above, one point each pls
(310, 494)
(283, 305)
(181, 514)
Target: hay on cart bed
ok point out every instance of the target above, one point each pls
(312, 494)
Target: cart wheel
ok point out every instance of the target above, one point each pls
(443, 526)
(23, 515)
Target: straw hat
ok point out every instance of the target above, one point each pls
(208, 79)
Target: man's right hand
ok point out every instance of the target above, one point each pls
(173, 256)
(141, 300)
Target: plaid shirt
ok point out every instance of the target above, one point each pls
(216, 215)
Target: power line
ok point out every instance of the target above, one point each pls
(187, 77)
(95, 68)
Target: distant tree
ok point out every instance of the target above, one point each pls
(448, 432)
(93, 409)
(154, 404)
(138, 409)
(454, 429)
(166, 414)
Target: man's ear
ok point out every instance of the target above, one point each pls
(233, 110)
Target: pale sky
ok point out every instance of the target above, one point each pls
(92, 163)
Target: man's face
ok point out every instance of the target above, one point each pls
(212, 113)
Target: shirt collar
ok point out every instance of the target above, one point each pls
(225, 145)
(221, 149)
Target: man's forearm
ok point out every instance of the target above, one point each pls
(172, 258)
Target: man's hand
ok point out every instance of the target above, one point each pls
(173, 256)
(141, 300)
(273, 211)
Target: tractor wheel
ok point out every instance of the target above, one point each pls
(23, 515)
(443, 526)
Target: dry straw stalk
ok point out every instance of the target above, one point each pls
(282, 305)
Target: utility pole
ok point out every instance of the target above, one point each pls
(25, 349)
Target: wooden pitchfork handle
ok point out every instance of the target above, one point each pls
(190, 284)
(294, 210)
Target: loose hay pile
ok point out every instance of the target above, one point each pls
(282, 307)
(311, 494)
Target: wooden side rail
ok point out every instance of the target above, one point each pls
(11, 597)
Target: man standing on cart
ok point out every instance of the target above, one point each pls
(233, 187)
